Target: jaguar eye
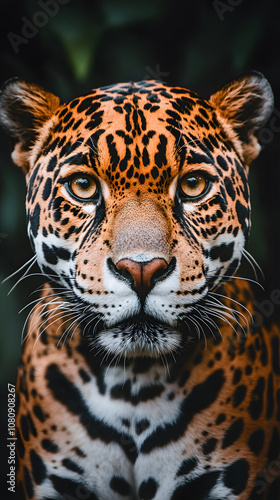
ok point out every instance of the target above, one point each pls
(193, 186)
(82, 187)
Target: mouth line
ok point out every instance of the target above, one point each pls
(141, 320)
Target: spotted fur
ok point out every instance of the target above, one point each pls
(142, 374)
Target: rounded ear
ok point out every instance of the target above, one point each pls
(24, 109)
(244, 107)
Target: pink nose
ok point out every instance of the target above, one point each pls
(142, 274)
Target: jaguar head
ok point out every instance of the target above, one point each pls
(137, 200)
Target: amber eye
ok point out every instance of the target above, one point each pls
(193, 186)
(82, 187)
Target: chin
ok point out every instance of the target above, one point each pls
(138, 336)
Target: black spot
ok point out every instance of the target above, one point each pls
(113, 152)
(229, 188)
(67, 117)
(52, 164)
(148, 489)
(120, 485)
(223, 252)
(160, 156)
(187, 466)
(275, 354)
(239, 395)
(209, 446)
(49, 254)
(69, 395)
(141, 426)
(84, 375)
(20, 446)
(256, 441)
(20, 491)
(264, 354)
(270, 397)
(199, 158)
(23, 386)
(35, 220)
(274, 446)
(24, 427)
(236, 475)
(71, 465)
(248, 370)
(256, 404)
(49, 445)
(93, 108)
(221, 161)
(155, 172)
(62, 253)
(67, 487)
(197, 489)
(237, 376)
(251, 352)
(96, 120)
(124, 392)
(242, 214)
(47, 189)
(201, 122)
(31, 189)
(38, 412)
(32, 373)
(79, 452)
(232, 433)
(220, 419)
(74, 103)
(39, 470)
(202, 396)
(130, 172)
(28, 483)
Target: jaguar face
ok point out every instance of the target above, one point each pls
(138, 204)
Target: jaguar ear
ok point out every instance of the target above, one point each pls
(24, 109)
(243, 108)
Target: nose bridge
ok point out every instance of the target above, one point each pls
(140, 231)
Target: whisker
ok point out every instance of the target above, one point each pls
(24, 276)
(233, 312)
(33, 259)
(249, 280)
(253, 263)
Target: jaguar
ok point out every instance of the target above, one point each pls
(145, 373)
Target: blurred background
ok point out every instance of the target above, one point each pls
(71, 46)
